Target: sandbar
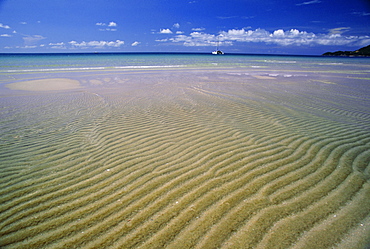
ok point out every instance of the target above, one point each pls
(53, 84)
(260, 77)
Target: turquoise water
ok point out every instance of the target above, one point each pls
(10, 63)
(19, 67)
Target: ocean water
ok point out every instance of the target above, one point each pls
(184, 150)
(38, 62)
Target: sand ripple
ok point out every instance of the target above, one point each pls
(211, 165)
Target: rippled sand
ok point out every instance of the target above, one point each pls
(188, 158)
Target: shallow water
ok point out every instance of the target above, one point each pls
(189, 151)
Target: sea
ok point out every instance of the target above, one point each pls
(13, 63)
(148, 150)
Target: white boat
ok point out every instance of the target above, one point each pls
(217, 51)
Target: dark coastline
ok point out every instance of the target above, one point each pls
(362, 52)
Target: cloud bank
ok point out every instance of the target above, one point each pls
(96, 44)
(292, 37)
(74, 44)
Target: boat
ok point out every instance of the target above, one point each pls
(217, 51)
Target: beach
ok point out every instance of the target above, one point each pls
(198, 152)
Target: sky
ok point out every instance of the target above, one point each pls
(298, 27)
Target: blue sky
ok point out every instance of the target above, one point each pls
(308, 27)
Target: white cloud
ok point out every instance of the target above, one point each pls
(108, 29)
(76, 44)
(57, 44)
(5, 35)
(32, 39)
(339, 30)
(23, 23)
(165, 31)
(29, 46)
(176, 25)
(361, 13)
(97, 44)
(309, 2)
(109, 25)
(226, 17)
(197, 39)
(112, 24)
(135, 43)
(291, 37)
(179, 32)
(198, 29)
(4, 26)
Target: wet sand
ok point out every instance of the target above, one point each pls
(187, 159)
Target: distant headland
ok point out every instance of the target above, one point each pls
(362, 52)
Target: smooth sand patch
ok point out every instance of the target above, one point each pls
(260, 77)
(53, 84)
(96, 82)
